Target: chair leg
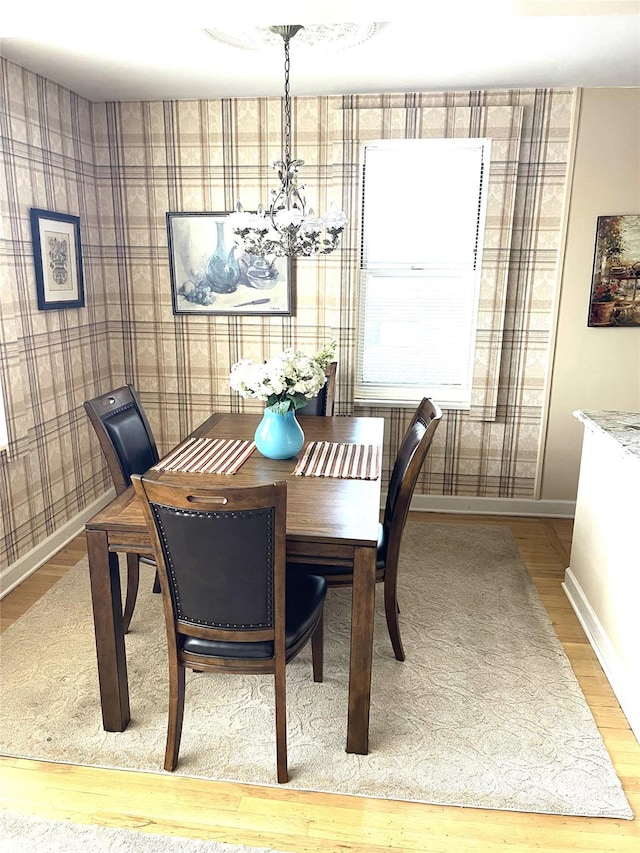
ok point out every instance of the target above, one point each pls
(176, 714)
(391, 610)
(281, 721)
(133, 577)
(156, 583)
(317, 650)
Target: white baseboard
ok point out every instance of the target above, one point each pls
(493, 506)
(29, 563)
(623, 684)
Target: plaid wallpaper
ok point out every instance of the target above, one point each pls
(121, 166)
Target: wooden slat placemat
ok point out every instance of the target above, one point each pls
(347, 461)
(207, 456)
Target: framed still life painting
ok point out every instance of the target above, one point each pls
(615, 283)
(57, 256)
(211, 274)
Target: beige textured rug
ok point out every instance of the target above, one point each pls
(486, 710)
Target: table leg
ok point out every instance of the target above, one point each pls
(107, 618)
(362, 616)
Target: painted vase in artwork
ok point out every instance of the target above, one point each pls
(602, 313)
(223, 270)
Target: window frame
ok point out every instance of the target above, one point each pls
(454, 395)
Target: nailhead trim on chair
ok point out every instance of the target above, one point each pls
(204, 514)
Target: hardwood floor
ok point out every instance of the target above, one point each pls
(278, 818)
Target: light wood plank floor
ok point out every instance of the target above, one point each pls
(282, 819)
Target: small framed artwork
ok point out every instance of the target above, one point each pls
(211, 274)
(615, 283)
(57, 254)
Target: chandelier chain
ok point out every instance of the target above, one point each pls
(287, 103)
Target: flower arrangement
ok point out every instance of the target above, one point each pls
(286, 381)
(606, 292)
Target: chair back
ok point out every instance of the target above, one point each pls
(409, 460)
(220, 554)
(324, 403)
(124, 434)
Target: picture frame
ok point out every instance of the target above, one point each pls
(211, 274)
(57, 255)
(615, 282)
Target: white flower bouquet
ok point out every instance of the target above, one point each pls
(286, 381)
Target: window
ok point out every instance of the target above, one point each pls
(423, 224)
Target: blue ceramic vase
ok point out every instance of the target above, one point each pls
(279, 436)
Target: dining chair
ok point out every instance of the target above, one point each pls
(129, 448)
(324, 403)
(408, 463)
(229, 605)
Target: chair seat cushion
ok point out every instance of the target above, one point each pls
(304, 600)
(328, 570)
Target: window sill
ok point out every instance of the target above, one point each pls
(408, 404)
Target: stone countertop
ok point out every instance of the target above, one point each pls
(622, 427)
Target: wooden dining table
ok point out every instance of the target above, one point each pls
(329, 518)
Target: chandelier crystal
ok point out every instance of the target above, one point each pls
(287, 229)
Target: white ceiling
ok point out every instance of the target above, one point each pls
(154, 51)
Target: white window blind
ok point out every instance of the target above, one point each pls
(423, 223)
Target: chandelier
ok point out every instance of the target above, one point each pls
(287, 229)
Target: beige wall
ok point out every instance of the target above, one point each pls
(596, 369)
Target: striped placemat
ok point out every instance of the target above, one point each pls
(207, 456)
(348, 461)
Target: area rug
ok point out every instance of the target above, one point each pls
(485, 711)
(21, 833)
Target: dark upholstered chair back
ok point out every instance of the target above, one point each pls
(221, 564)
(409, 460)
(324, 403)
(124, 433)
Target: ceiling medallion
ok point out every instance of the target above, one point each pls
(312, 37)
